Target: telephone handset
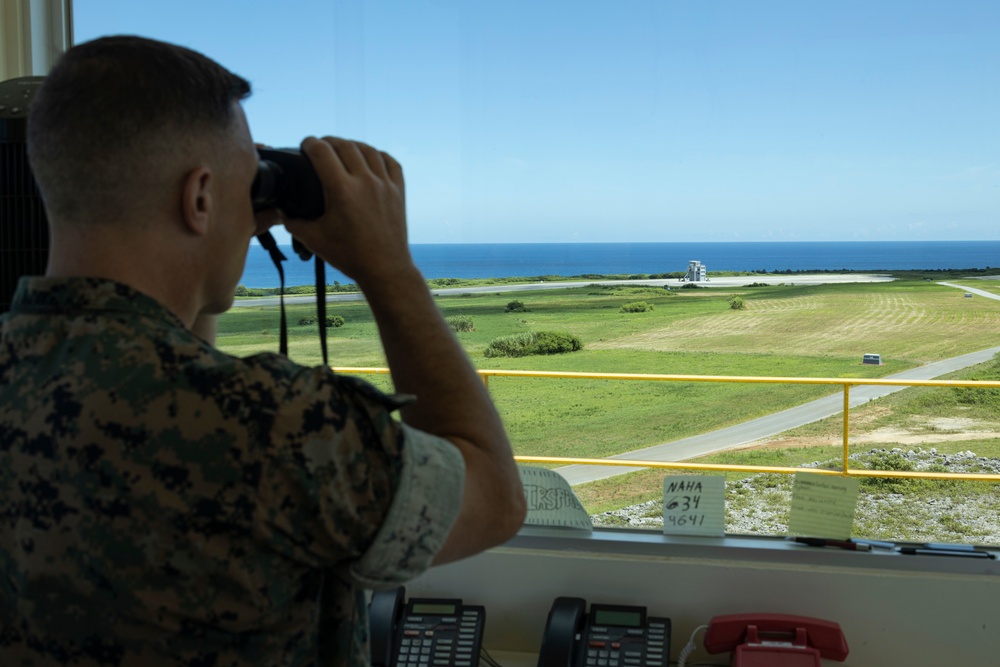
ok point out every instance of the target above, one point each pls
(764, 640)
(607, 636)
(423, 632)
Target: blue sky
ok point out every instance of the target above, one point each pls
(587, 121)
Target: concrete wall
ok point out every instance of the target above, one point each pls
(900, 610)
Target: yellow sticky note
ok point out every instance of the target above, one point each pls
(823, 506)
(694, 505)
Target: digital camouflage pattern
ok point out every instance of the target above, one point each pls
(163, 503)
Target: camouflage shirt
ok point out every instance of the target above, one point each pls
(164, 503)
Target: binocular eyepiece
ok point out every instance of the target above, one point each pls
(287, 181)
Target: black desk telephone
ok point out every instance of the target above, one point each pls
(428, 632)
(609, 636)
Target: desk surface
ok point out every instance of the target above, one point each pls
(513, 658)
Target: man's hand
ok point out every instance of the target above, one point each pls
(266, 219)
(363, 232)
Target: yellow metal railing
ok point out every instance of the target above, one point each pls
(846, 383)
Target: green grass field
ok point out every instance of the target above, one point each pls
(811, 331)
(785, 331)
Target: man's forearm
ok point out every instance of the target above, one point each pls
(426, 360)
(452, 402)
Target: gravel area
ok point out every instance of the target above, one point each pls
(758, 505)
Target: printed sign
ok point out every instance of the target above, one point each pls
(551, 501)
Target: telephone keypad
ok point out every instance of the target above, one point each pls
(441, 641)
(609, 646)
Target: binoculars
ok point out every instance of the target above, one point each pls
(287, 181)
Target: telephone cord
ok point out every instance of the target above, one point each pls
(484, 656)
(687, 650)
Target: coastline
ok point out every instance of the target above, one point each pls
(672, 283)
(574, 261)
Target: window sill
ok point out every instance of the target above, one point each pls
(746, 550)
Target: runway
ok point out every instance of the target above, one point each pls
(730, 282)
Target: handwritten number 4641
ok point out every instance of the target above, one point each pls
(686, 519)
(684, 503)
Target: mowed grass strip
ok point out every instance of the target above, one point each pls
(788, 331)
(914, 321)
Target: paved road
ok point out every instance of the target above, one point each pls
(972, 290)
(738, 281)
(765, 427)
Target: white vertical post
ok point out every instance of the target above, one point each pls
(33, 34)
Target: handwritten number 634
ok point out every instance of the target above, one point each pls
(685, 503)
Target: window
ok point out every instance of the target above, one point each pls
(764, 142)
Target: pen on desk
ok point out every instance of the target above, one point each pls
(840, 544)
(961, 553)
(875, 543)
(944, 546)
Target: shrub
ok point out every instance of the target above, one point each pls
(736, 303)
(515, 307)
(554, 342)
(636, 307)
(243, 290)
(332, 321)
(338, 287)
(690, 286)
(887, 460)
(445, 282)
(514, 345)
(988, 397)
(524, 344)
(460, 323)
(298, 289)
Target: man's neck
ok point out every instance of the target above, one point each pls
(158, 268)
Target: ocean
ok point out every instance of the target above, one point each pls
(496, 260)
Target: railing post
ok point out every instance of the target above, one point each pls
(486, 380)
(847, 422)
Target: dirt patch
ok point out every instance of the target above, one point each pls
(789, 443)
(903, 437)
(926, 431)
(952, 423)
(868, 415)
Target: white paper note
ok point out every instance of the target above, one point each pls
(551, 501)
(823, 506)
(694, 505)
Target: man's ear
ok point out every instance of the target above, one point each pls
(196, 200)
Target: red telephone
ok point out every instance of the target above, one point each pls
(776, 640)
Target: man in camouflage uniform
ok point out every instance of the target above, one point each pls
(164, 503)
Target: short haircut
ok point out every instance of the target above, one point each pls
(111, 110)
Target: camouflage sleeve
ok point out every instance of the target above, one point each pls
(425, 507)
(343, 479)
